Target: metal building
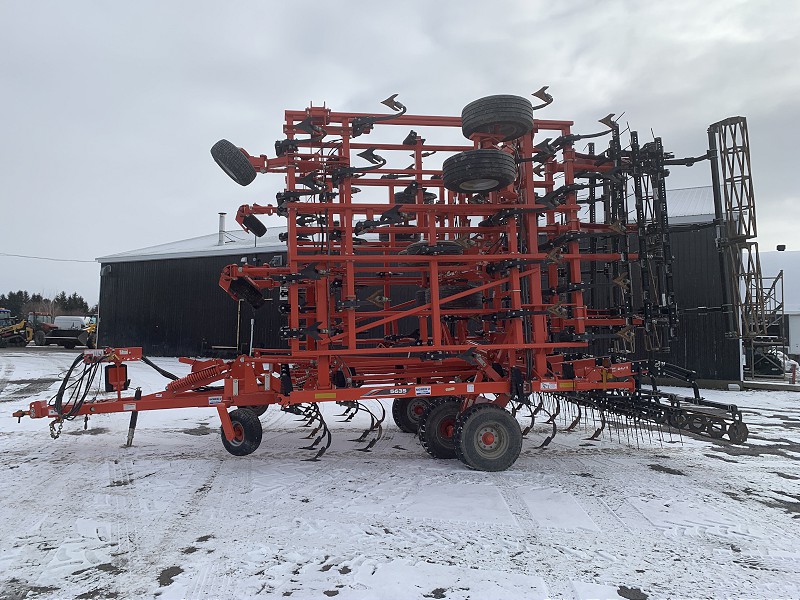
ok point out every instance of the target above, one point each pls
(166, 298)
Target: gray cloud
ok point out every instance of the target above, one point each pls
(109, 109)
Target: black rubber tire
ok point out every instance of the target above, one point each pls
(697, 423)
(484, 170)
(234, 162)
(3, 343)
(441, 247)
(91, 342)
(254, 224)
(678, 420)
(70, 345)
(737, 432)
(437, 425)
(716, 428)
(39, 338)
(258, 410)
(509, 117)
(248, 429)
(246, 291)
(406, 413)
(487, 438)
(470, 301)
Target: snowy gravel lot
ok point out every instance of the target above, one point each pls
(175, 516)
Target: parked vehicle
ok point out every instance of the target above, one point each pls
(13, 331)
(70, 331)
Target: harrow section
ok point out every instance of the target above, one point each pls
(493, 272)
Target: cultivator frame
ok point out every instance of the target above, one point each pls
(517, 273)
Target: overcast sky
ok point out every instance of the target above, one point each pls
(109, 108)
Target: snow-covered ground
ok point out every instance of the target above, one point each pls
(175, 516)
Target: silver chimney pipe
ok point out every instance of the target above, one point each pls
(221, 240)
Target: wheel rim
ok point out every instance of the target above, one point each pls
(446, 428)
(479, 185)
(238, 435)
(415, 410)
(491, 441)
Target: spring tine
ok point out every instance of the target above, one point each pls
(527, 429)
(368, 447)
(576, 420)
(325, 432)
(358, 407)
(597, 432)
(552, 419)
(313, 432)
(549, 438)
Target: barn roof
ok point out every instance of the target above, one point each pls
(235, 242)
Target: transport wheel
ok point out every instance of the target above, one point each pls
(737, 432)
(469, 301)
(258, 410)
(39, 338)
(247, 432)
(234, 162)
(716, 428)
(484, 170)
(506, 116)
(407, 411)
(488, 438)
(70, 345)
(91, 342)
(437, 425)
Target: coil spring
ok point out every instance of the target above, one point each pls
(196, 379)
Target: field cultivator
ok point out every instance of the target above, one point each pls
(509, 271)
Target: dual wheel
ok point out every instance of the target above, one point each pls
(485, 437)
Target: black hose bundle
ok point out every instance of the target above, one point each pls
(78, 390)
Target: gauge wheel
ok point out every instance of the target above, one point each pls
(247, 432)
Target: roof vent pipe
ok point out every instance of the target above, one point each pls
(221, 240)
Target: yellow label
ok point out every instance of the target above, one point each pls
(324, 395)
(565, 385)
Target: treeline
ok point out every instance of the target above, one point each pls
(20, 303)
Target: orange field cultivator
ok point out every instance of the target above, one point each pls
(499, 272)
